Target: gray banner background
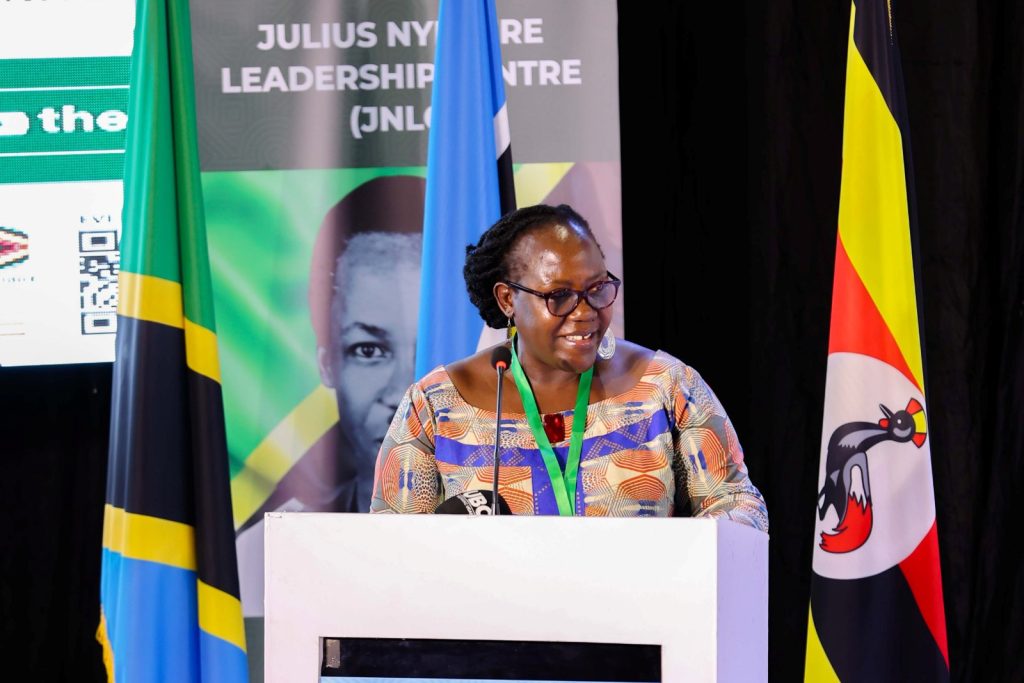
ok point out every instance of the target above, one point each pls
(257, 131)
(575, 125)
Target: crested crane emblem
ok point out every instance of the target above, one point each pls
(847, 487)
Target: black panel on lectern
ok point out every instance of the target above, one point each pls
(359, 659)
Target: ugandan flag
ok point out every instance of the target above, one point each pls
(169, 588)
(876, 610)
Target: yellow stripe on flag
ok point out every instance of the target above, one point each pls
(157, 300)
(817, 668)
(104, 641)
(873, 217)
(201, 350)
(280, 449)
(146, 297)
(142, 537)
(220, 614)
(534, 182)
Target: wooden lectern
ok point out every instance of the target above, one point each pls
(696, 587)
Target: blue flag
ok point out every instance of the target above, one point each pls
(469, 176)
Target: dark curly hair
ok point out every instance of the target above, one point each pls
(489, 260)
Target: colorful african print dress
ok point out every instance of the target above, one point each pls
(664, 447)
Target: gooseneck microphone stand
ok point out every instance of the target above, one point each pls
(501, 357)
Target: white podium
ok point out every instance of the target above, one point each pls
(698, 588)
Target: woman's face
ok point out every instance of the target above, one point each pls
(374, 342)
(545, 259)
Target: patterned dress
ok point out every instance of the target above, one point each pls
(664, 447)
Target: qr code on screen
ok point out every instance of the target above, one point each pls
(98, 265)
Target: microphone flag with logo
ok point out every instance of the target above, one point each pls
(469, 175)
(876, 609)
(169, 584)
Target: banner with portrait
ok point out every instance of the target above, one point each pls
(313, 122)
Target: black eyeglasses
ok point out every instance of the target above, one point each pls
(562, 302)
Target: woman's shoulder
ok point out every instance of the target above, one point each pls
(633, 360)
(470, 367)
(630, 356)
(658, 367)
(628, 366)
(437, 376)
(683, 382)
(430, 390)
(473, 377)
(431, 394)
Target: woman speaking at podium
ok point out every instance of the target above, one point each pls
(591, 425)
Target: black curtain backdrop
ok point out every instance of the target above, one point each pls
(731, 150)
(731, 140)
(54, 426)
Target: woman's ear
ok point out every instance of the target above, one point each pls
(503, 295)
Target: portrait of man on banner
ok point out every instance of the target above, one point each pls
(363, 298)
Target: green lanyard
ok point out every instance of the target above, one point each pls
(564, 485)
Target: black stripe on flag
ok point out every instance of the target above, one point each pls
(148, 432)
(215, 536)
(876, 39)
(506, 182)
(872, 630)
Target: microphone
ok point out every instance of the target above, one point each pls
(473, 503)
(501, 358)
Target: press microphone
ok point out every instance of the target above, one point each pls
(473, 503)
(501, 358)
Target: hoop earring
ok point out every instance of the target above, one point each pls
(606, 349)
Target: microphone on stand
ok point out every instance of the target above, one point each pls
(501, 358)
(485, 502)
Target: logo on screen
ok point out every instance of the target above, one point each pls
(13, 247)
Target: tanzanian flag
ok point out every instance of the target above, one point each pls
(169, 590)
(469, 175)
(876, 590)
